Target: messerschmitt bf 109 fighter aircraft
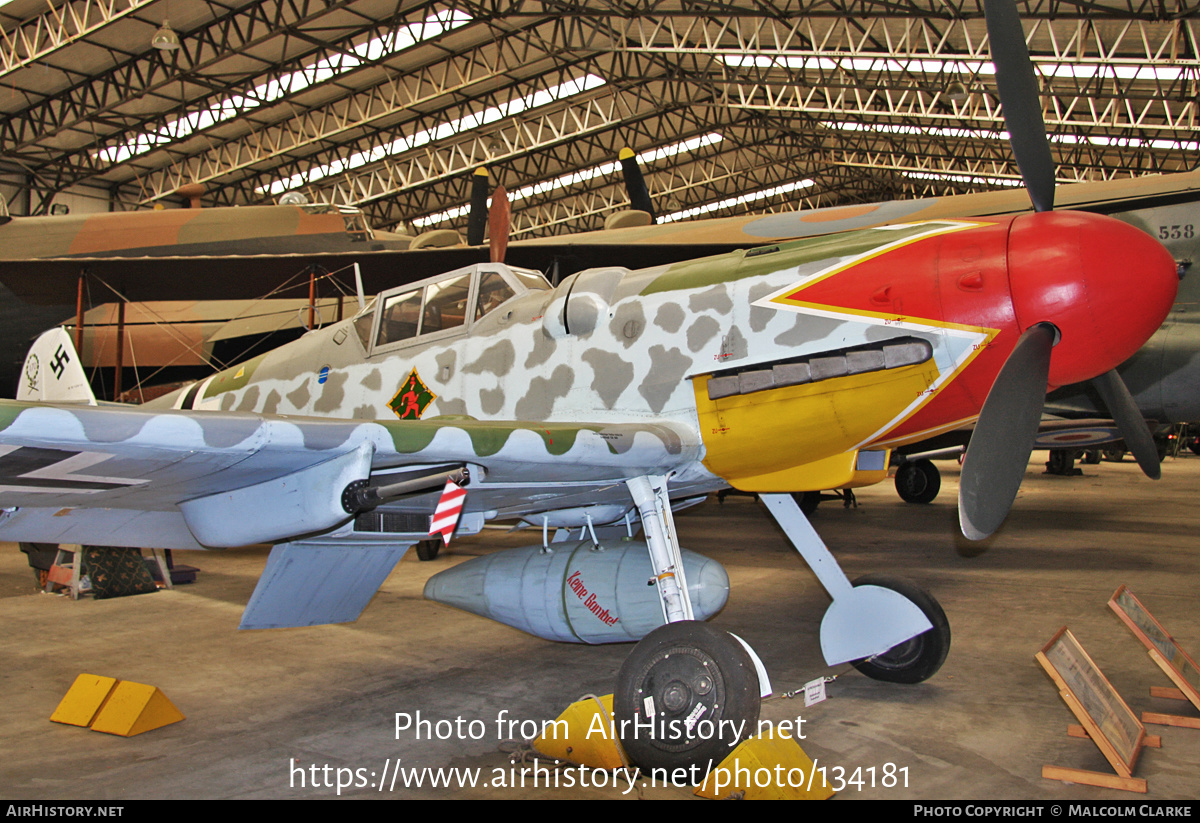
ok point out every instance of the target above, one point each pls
(610, 399)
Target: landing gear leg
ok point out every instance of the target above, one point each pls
(689, 692)
(872, 619)
(1062, 462)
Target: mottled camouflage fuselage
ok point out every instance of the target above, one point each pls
(614, 345)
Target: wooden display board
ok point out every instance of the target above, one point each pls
(1103, 715)
(1163, 650)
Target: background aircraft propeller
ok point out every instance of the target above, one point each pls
(499, 223)
(492, 223)
(635, 183)
(477, 220)
(1008, 422)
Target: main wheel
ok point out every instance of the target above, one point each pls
(918, 481)
(686, 695)
(808, 502)
(428, 549)
(919, 658)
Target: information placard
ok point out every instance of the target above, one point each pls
(1175, 663)
(1103, 714)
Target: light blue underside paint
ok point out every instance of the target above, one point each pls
(309, 584)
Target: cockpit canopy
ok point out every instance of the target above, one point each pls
(442, 306)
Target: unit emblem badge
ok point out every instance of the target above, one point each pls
(412, 399)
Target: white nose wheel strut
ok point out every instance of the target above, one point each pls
(689, 692)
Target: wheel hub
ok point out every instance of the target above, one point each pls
(898, 657)
(678, 690)
(914, 482)
(687, 694)
(676, 696)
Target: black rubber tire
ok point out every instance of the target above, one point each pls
(1114, 454)
(1061, 461)
(680, 667)
(808, 502)
(428, 549)
(918, 481)
(1091, 457)
(915, 660)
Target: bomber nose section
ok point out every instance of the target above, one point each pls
(1105, 285)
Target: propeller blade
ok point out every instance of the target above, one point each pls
(635, 183)
(1130, 421)
(1004, 436)
(1021, 101)
(477, 221)
(499, 222)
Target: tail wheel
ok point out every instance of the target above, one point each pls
(919, 658)
(686, 695)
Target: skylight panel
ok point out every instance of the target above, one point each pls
(935, 65)
(1157, 143)
(582, 176)
(444, 131)
(742, 199)
(313, 74)
(972, 179)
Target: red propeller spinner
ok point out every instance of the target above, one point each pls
(1104, 285)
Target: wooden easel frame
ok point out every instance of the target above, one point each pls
(1165, 652)
(67, 571)
(1103, 716)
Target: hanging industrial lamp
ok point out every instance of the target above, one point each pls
(165, 39)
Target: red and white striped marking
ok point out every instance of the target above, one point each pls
(449, 507)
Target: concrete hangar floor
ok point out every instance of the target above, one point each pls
(264, 707)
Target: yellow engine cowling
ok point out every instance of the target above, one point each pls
(805, 437)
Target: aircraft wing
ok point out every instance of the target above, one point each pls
(207, 254)
(1052, 433)
(118, 475)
